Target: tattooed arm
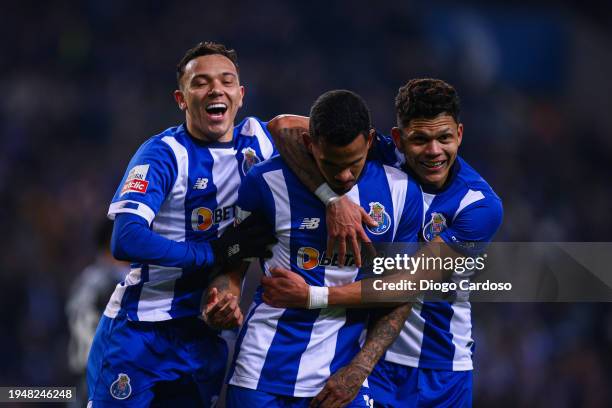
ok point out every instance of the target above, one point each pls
(343, 386)
(222, 309)
(343, 217)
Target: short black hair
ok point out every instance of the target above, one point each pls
(204, 48)
(338, 117)
(425, 98)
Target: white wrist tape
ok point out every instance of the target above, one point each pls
(317, 297)
(326, 194)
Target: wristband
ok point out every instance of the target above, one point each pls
(326, 194)
(317, 297)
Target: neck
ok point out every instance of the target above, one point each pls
(196, 133)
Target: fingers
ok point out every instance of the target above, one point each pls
(341, 252)
(356, 251)
(318, 400)
(212, 297)
(365, 218)
(277, 271)
(330, 244)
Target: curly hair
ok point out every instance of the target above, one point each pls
(201, 49)
(425, 98)
(338, 117)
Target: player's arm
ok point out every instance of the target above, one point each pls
(134, 241)
(344, 218)
(342, 387)
(288, 289)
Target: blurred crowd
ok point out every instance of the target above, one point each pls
(84, 83)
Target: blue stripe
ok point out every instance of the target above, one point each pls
(437, 346)
(347, 343)
(291, 339)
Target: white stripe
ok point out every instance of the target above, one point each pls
(398, 184)
(259, 333)
(406, 350)
(282, 222)
(461, 329)
(314, 369)
(227, 180)
(253, 127)
(143, 210)
(114, 304)
(158, 273)
(427, 200)
(170, 220)
(155, 300)
(469, 198)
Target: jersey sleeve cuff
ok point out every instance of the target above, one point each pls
(131, 207)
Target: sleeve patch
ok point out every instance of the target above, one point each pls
(136, 181)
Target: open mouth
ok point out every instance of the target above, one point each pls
(434, 165)
(216, 110)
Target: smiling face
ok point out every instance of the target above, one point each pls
(210, 94)
(430, 147)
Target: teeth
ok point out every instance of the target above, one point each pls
(434, 164)
(217, 106)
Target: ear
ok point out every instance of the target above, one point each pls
(241, 96)
(459, 134)
(307, 141)
(371, 137)
(396, 135)
(179, 97)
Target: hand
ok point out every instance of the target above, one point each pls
(341, 388)
(249, 239)
(344, 220)
(285, 289)
(223, 313)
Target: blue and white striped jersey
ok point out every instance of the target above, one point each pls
(438, 335)
(294, 351)
(186, 190)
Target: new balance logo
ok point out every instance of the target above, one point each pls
(200, 183)
(233, 250)
(310, 223)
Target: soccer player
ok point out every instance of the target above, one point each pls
(175, 200)
(430, 364)
(284, 356)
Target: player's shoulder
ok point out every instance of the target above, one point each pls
(272, 164)
(472, 182)
(251, 126)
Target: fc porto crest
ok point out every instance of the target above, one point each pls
(249, 159)
(434, 227)
(121, 389)
(378, 213)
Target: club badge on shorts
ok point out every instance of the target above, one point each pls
(378, 213)
(121, 389)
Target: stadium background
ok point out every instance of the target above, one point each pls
(84, 83)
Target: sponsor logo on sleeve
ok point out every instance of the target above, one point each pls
(136, 181)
